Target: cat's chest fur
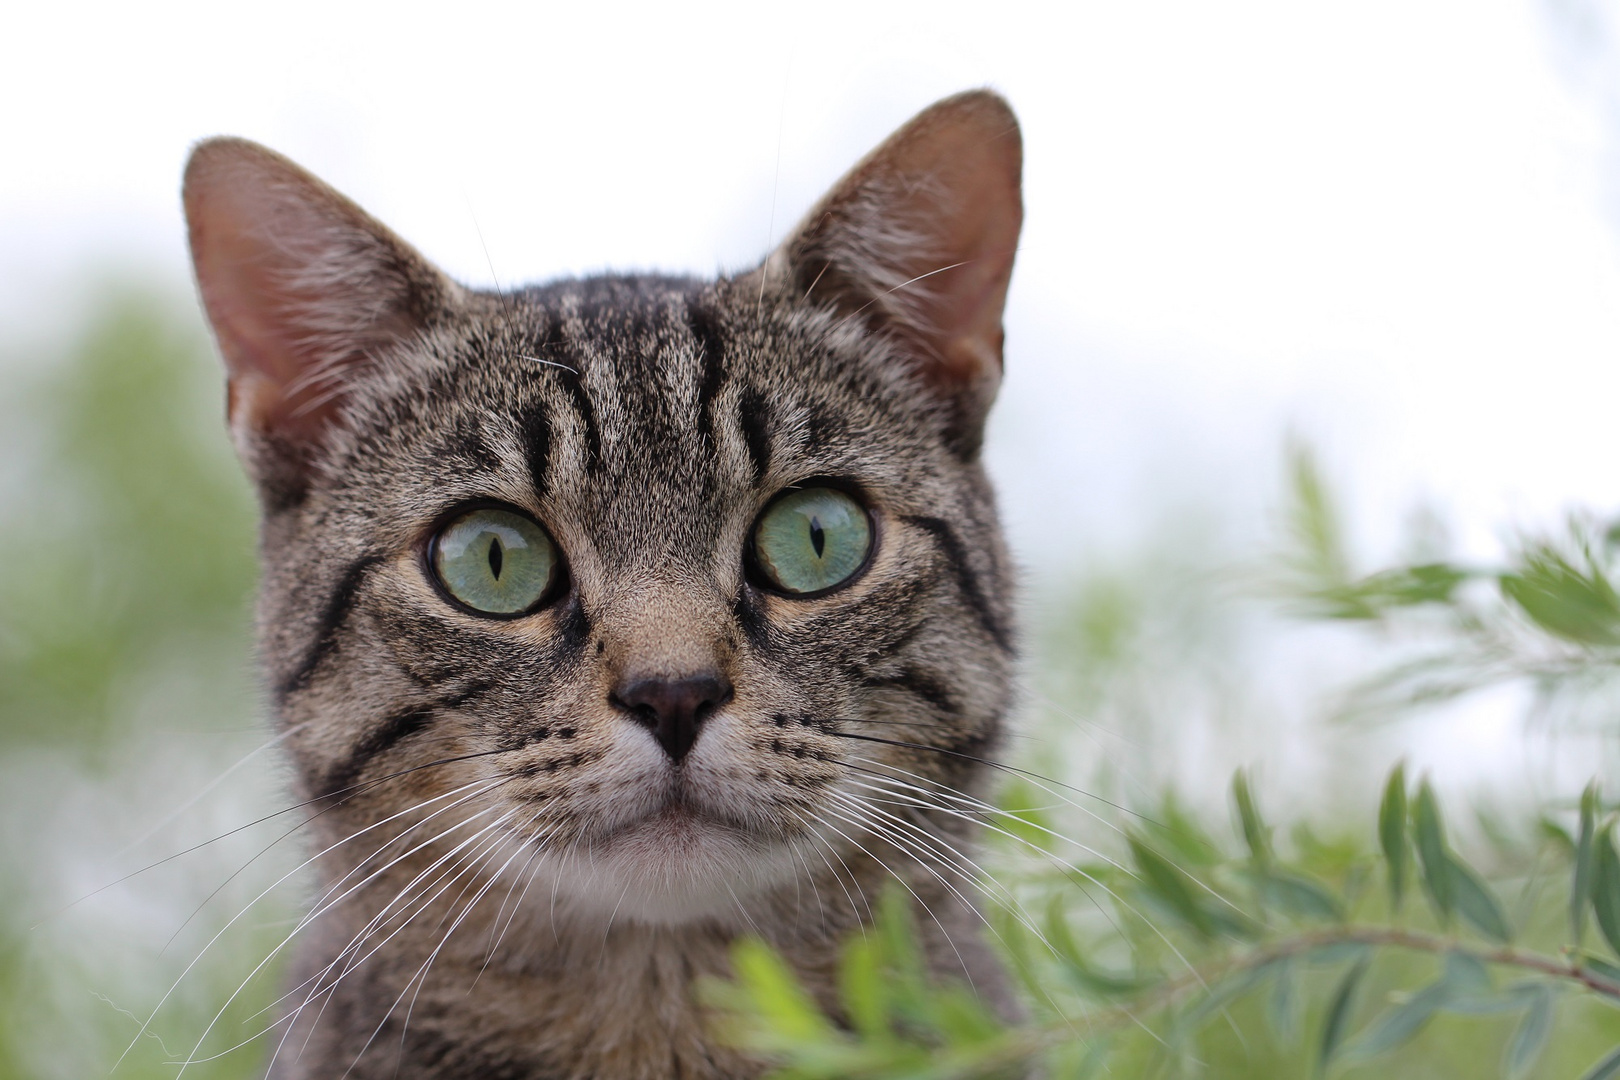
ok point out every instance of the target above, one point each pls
(610, 620)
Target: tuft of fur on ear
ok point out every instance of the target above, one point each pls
(301, 287)
(918, 242)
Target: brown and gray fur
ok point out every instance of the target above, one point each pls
(514, 879)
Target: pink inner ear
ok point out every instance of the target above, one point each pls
(245, 290)
(963, 163)
(298, 282)
(919, 240)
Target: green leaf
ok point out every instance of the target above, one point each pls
(1087, 978)
(861, 988)
(1171, 885)
(1530, 1038)
(1392, 833)
(964, 1020)
(1404, 1021)
(1601, 966)
(1282, 1006)
(1431, 846)
(1578, 605)
(1606, 886)
(1582, 894)
(1466, 977)
(1301, 897)
(1218, 996)
(1255, 833)
(1334, 953)
(1558, 836)
(1606, 1069)
(775, 993)
(1338, 1015)
(1476, 903)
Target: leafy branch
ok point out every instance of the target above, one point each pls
(1549, 615)
(895, 1023)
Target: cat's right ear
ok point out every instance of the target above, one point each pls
(917, 243)
(302, 288)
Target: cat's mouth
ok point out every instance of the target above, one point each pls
(676, 816)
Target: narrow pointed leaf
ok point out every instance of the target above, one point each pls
(1402, 1022)
(1170, 885)
(1476, 903)
(776, 994)
(861, 985)
(1466, 976)
(1582, 895)
(1338, 1015)
(1301, 897)
(1606, 886)
(1530, 1038)
(1282, 1006)
(1594, 963)
(1255, 833)
(1392, 833)
(1431, 847)
(1606, 1069)
(1557, 835)
(1218, 997)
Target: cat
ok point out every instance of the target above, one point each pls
(610, 619)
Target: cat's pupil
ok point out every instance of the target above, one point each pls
(818, 536)
(496, 557)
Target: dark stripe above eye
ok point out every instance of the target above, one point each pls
(754, 417)
(535, 425)
(574, 383)
(332, 617)
(967, 581)
(702, 324)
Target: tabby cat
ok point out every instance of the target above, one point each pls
(607, 620)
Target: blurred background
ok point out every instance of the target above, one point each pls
(1385, 232)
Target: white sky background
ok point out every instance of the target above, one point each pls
(1386, 225)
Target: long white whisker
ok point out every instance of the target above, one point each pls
(491, 785)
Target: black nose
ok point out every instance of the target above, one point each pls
(673, 709)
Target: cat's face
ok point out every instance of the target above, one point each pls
(644, 578)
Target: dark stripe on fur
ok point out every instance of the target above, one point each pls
(401, 725)
(919, 684)
(332, 617)
(574, 633)
(966, 579)
(750, 615)
(707, 333)
(753, 415)
(536, 428)
(575, 385)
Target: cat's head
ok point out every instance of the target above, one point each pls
(669, 578)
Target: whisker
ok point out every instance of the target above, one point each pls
(350, 791)
(856, 823)
(302, 922)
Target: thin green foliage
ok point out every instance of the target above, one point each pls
(1239, 954)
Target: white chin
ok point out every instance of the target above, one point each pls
(670, 869)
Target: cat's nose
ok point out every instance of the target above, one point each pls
(673, 709)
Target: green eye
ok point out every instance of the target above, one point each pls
(495, 561)
(811, 540)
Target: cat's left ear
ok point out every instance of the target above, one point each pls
(917, 242)
(304, 289)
